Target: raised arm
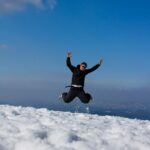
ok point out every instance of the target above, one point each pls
(95, 67)
(68, 62)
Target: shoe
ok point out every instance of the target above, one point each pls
(60, 97)
(90, 97)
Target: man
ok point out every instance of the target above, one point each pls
(78, 78)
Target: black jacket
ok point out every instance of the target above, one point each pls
(78, 76)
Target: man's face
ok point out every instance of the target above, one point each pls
(82, 67)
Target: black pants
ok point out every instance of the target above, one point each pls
(76, 92)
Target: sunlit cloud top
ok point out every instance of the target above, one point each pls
(3, 46)
(19, 5)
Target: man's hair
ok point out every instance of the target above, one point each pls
(84, 63)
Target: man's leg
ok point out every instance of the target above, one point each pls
(84, 97)
(68, 97)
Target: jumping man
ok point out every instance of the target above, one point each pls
(78, 77)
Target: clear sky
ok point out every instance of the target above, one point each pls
(36, 34)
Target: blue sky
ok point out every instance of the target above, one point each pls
(35, 36)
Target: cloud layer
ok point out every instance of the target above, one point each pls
(2, 46)
(19, 5)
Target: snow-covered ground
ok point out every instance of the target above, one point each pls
(40, 129)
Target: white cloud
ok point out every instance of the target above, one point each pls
(2, 46)
(19, 5)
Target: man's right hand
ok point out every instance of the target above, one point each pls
(69, 54)
(100, 62)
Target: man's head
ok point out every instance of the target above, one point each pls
(83, 66)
